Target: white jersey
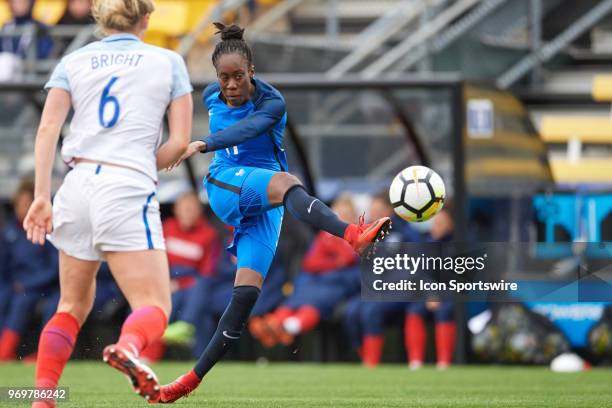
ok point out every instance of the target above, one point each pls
(120, 89)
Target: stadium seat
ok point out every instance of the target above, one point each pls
(602, 88)
(582, 171)
(561, 129)
(175, 18)
(49, 11)
(5, 13)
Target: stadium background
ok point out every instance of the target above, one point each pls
(508, 100)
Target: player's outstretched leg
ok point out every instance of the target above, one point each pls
(57, 340)
(228, 331)
(142, 327)
(143, 277)
(306, 208)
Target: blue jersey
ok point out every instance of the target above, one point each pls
(249, 135)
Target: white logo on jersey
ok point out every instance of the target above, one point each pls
(240, 172)
(230, 337)
(310, 206)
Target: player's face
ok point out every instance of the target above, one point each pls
(234, 76)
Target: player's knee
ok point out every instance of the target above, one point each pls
(281, 184)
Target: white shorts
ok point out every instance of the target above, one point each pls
(102, 208)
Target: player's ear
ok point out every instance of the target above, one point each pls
(252, 71)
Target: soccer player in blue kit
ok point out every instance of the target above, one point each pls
(248, 187)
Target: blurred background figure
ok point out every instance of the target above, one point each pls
(31, 271)
(20, 37)
(415, 330)
(78, 12)
(329, 275)
(364, 322)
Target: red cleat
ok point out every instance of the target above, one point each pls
(141, 377)
(181, 387)
(363, 237)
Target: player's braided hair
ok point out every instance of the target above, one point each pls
(232, 42)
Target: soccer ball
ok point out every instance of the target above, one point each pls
(417, 193)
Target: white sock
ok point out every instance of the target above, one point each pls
(292, 325)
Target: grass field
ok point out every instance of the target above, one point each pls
(336, 385)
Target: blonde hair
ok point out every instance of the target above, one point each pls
(120, 15)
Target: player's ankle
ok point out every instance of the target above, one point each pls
(191, 379)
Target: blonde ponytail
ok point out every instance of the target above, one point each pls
(120, 15)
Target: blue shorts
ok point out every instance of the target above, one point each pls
(239, 197)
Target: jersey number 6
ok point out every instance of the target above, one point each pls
(104, 100)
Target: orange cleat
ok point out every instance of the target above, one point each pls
(181, 387)
(141, 377)
(280, 334)
(261, 331)
(363, 237)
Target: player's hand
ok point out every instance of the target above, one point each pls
(37, 222)
(193, 148)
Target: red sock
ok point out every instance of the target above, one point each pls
(154, 351)
(54, 348)
(9, 341)
(445, 342)
(281, 313)
(372, 350)
(142, 328)
(309, 317)
(415, 338)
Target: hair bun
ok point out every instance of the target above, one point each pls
(232, 32)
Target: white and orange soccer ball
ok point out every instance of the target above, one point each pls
(417, 193)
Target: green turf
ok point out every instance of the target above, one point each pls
(336, 385)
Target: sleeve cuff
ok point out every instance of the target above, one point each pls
(57, 84)
(209, 144)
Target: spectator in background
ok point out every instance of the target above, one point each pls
(330, 275)
(78, 12)
(415, 332)
(33, 274)
(364, 322)
(15, 42)
(193, 249)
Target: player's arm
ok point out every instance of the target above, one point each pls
(264, 118)
(37, 222)
(179, 120)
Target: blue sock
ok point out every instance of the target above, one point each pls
(312, 211)
(229, 328)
